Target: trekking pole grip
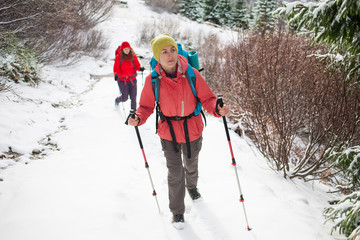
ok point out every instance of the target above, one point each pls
(219, 102)
(132, 115)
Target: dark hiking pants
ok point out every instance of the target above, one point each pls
(179, 175)
(126, 89)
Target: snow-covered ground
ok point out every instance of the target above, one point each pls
(92, 183)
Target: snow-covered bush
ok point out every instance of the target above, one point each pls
(346, 215)
(185, 35)
(57, 30)
(163, 5)
(17, 63)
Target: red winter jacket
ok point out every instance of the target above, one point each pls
(126, 71)
(177, 99)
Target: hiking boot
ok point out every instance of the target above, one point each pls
(178, 218)
(194, 193)
(178, 221)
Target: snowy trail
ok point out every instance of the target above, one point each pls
(97, 187)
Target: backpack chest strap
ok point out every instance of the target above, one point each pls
(175, 118)
(172, 132)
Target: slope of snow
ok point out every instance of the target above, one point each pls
(97, 187)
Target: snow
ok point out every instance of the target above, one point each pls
(94, 184)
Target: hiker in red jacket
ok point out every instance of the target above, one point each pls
(125, 67)
(177, 103)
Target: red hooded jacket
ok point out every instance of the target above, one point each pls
(126, 71)
(177, 99)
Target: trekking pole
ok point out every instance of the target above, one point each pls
(220, 103)
(132, 114)
(122, 104)
(142, 77)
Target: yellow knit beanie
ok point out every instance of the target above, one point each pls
(161, 41)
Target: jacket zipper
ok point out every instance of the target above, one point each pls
(182, 108)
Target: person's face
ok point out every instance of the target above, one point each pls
(126, 50)
(168, 58)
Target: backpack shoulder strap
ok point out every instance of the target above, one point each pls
(121, 61)
(155, 85)
(190, 76)
(153, 63)
(155, 79)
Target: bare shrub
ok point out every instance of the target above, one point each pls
(57, 30)
(295, 108)
(183, 35)
(163, 5)
(210, 58)
(4, 87)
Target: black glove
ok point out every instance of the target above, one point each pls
(116, 77)
(141, 69)
(219, 102)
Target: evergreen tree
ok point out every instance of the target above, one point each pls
(264, 18)
(195, 10)
(346, 214)
(209, 11)
(238, 15)
(183, 7)
(223, 11)
(250, 16)
(335, 22)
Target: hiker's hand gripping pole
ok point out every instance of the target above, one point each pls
(142, 74)
(132, 115)
(220, 103)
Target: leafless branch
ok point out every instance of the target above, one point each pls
(294, 108)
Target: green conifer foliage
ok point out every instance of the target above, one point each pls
(264, 18)
(346, 215)
(238, 14)
(183, 7)
(223, 12)
(195, 10)
(335, 22)
(209, 11)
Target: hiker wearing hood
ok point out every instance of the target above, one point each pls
(125, 67)
(177, 103)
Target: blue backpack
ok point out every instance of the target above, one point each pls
(192, 58)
